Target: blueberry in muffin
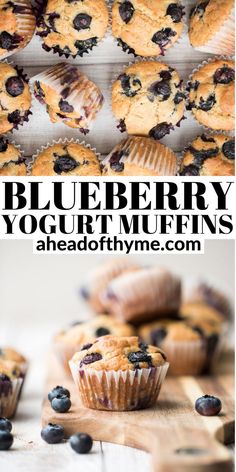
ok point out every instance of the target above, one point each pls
(11, 160)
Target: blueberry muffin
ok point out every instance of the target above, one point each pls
(17, 25)
(66, 158)
(204, 293)
(209, 155)
(11, 159)
(72, 28)
(70, 97)
(147, 28)
(211, 94)
(100, 276)
(15, 97)
(138, 155)
(211, 27)
(143, 295)
(119, 374)
(82, 334)
(201, 311)
(10, 387)
(148, 99)
(190, 345)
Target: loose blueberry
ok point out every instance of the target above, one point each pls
(6, 440)
(81, 443)
(208, 405)
(228, 149)
(53, 433)
(82, 21)
(65, 106)
(5, 425)
(14, 86)
(206, 105)
(190, 171)
(90, 358)
(139, 356)
(115, 163)
(64, 164)
(175, 11)
(161, 88)
(159, 131)
(126, 10)
(157, 336)
(61, 403)
(101, 332)
(3, 144)
(224, 75)
(162, 38)
(58, 390)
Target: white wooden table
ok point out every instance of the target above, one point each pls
(102, 65)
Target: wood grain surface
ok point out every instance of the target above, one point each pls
(178, 438)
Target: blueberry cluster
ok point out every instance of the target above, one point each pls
(6, 437)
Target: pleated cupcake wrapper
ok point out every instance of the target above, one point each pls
(154, 156)
(122, 69)
(131, 297)
(223, 41)
(79, 98)
(207, 129)
(118, 390)
(60, 141)
(100, 41)
(25, 26)
(159, 57)
(9, 400)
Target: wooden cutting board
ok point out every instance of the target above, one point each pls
(179, 439)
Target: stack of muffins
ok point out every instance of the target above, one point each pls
(141, 313)
(13, 368)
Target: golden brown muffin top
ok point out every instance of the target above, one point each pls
(10, 354)
(200, 311)
(11, 160)
(10, 368)
(113, 353)
(206, 19)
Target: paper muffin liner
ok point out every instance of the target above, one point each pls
(83, 94)
(223, 41)
(9, 396)
(143, 295)
(207, 129)
(26, 23)
(39, 8)
(60, 141)
(118, 390)
(115, 77)
(150, 155)
(129, 52)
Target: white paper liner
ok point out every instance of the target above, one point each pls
(223, 41)
(143, 295)
(8, 403)
(60, 141)
(118, 390)
(26, 23)
(207, 129)
(85, 96)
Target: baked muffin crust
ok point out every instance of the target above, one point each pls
(11, 160)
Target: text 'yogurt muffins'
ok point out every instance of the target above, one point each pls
(119, 374)
(212, 26)
(17, 25)
(11, 159)
(72, 27)
(70, 97)
(209, 155)
(211, 94)
(10, 387)
(143, 295)
(138, 155)
(147, 28)
(82, 334)
(15, 97)
(148, 99)
(66, 158)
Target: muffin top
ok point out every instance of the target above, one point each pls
(211, 94)
(206, 18)
(125, 353)
(15, 97)
(17, 24)
(148, 99)
(83, 333)
(69, 96)
(9, 354)
(209, 155)
(72, 28)
(138, 155)
(200, 311)
(11, 160)
(10, 369)
(66, 159)
(147, 28)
